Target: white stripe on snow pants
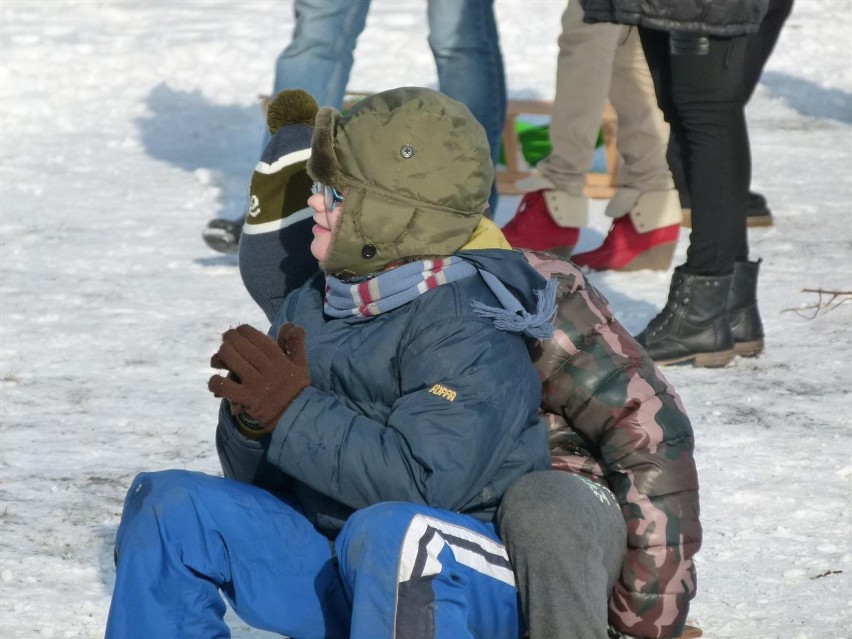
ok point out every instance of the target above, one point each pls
(414, 572)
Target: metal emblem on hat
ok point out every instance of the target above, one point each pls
(406, 151)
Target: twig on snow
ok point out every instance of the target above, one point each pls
(827, 573)
(835, 299)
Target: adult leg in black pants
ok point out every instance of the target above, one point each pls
(758, 50)
(699, 85)
(761, 44)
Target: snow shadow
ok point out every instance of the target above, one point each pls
(220, 143)
(631, 312)
(105, 536)
(218, 260)
(808, 97)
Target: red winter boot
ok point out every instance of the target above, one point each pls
(625, 249)
(534, 227)
(643, 235)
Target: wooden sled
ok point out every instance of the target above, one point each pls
(598, 185)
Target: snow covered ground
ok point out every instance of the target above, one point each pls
(126, 125)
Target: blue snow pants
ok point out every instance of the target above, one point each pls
(413, 572)
(405, 571)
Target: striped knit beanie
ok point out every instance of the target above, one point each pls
(280, 185)
(275, 255)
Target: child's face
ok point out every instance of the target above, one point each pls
(325, 224)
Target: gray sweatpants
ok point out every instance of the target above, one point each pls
(566, 539)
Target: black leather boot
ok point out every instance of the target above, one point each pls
(693, 326)
(743, 315)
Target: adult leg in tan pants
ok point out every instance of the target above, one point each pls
(599, 62)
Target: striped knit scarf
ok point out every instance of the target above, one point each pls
(394, 288)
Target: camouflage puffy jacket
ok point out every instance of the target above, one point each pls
(613, 417)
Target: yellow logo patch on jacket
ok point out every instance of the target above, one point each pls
(443, 391)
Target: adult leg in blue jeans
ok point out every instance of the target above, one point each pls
(464, 40)
(318, 60)
(186, 537)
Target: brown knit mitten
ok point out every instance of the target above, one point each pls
(265, 376)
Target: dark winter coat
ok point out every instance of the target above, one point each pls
(614, 418)
(427, 403)
(703, 17)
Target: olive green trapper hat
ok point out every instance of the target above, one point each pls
(416, 172)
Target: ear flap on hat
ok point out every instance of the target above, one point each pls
(291, 106)
(322, 165)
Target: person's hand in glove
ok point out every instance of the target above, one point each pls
(265, 375)
(215, 362)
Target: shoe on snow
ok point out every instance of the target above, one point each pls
(223, 235)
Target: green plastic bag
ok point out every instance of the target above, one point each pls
(534, 140)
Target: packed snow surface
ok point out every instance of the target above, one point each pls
(126, 125)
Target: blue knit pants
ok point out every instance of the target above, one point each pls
(187, 540)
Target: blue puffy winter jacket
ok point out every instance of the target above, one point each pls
(428, 403)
